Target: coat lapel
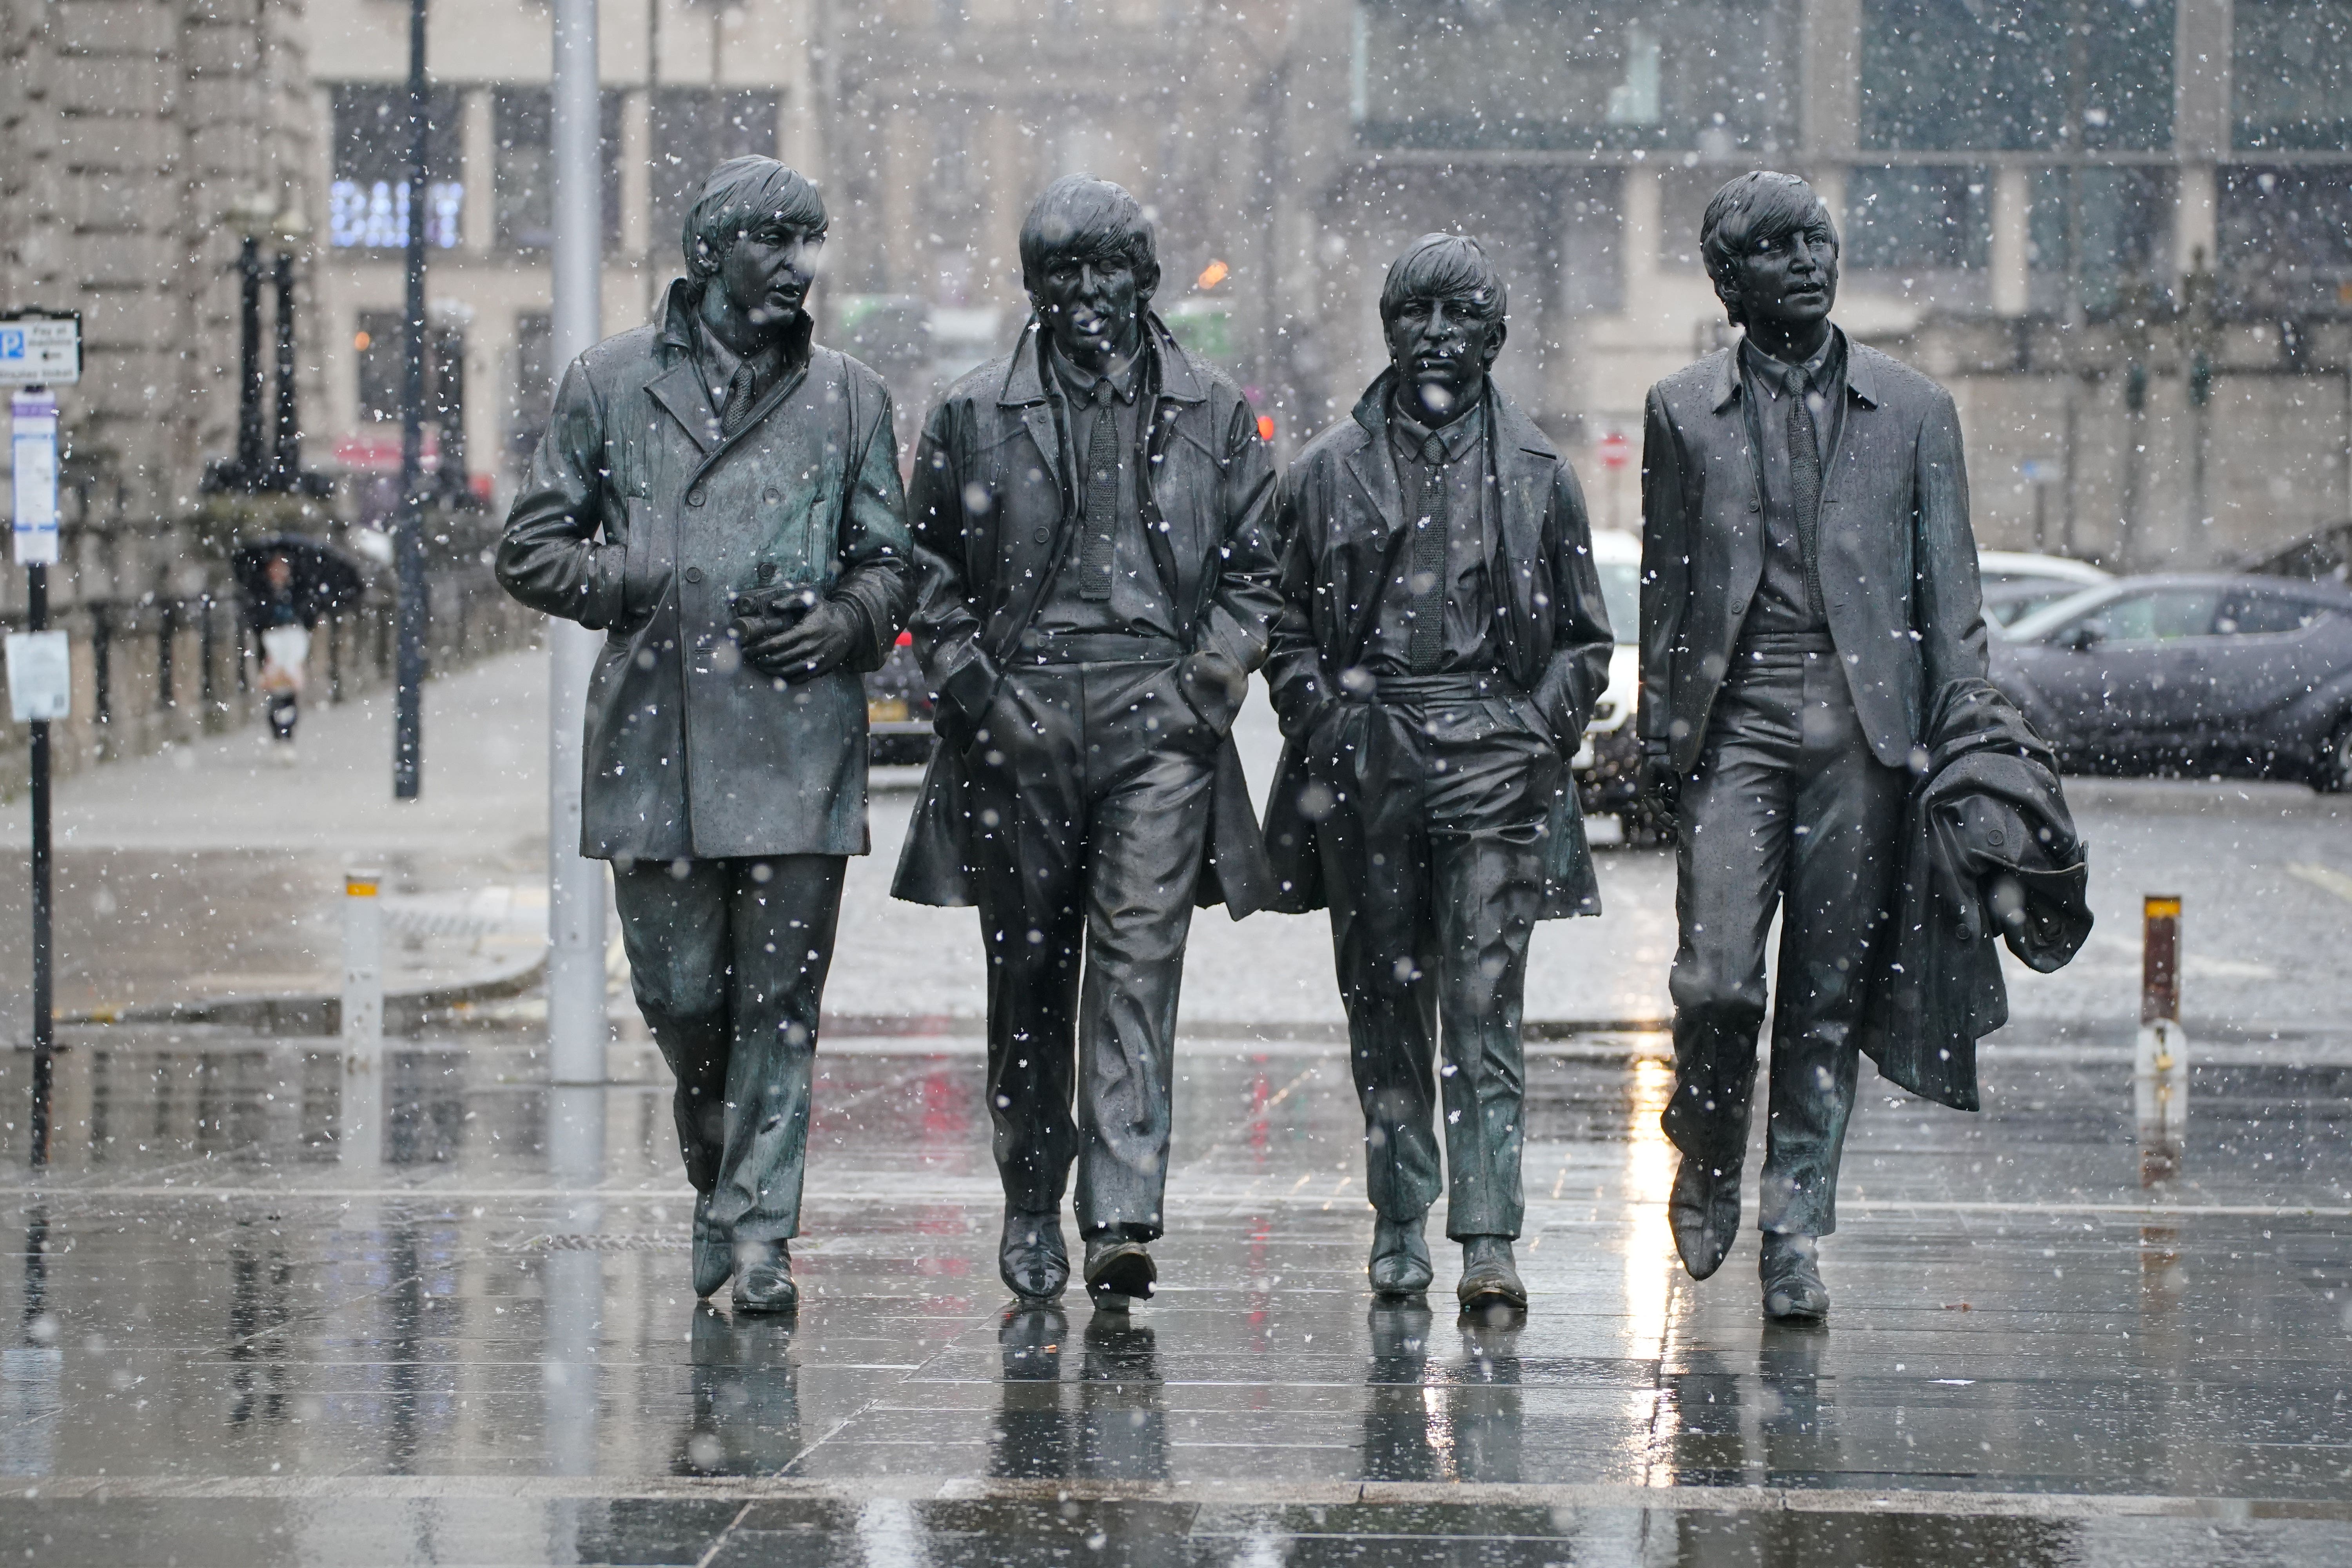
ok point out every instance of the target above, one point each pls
(681, 392)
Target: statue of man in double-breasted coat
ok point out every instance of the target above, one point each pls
(721, 498)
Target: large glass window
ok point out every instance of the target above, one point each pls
(693, 130)
(1995, 75)
(2123, 220)
(2286, 238)
(1918, 218)
(522, 125)
(2290, 74)
(368, 197)
(1713, 75)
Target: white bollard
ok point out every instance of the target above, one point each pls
(360, 1139)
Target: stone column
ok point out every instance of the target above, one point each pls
(636, 173)
(1830, 105)
(2012, 219)
(2200, 124)
(477, 133)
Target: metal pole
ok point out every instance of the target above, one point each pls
(576, 1028)
(45, 1036)
(251, 461)
(2160, 1058)
(364, 1108)
(408, 536)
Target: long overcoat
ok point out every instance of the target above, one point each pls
(992, 505)
(1898, 563)
(1342, 520)
(641, 520)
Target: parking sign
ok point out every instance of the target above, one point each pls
(40, 348)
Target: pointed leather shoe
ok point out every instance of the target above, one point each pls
(1703, 1212)
(1791, 1270)
(1489, 1277)
(714, 1254)
(1119, 1271)
(1400, 1263)
(1030, 1256)
(763, 1278)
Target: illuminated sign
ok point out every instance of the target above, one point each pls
(373, 215)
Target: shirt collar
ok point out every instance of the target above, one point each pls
(1778, 375)
(720, 363)
(1412, 435)
(1078, 384)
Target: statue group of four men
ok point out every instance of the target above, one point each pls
(1094, 553)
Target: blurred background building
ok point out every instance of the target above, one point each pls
(2120, 231)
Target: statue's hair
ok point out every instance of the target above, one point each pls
(741, 195)
(1081, 215)
(1753, 209)
(1444, 267)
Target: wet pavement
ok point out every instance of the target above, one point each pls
(228, 1346)
(222, 1341)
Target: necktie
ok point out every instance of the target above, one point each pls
(738, 411)
(1102, 498)
(1805, 494)
(1428, 581)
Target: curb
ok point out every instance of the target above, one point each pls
(317, 1014)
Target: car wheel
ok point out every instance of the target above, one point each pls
(2334, 773)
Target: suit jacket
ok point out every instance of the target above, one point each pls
(1342, 520)
(639, 518)
(1898, 563)
(992, 511)
(1988, 806)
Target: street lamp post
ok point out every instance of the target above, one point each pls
(408, 534)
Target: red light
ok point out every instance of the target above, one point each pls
(906, 640)
(1266, 426)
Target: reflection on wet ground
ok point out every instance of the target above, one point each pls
(223, 1344)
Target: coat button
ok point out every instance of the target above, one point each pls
(694, 573)
(1751, 505)
(694, 498)
(770, 497)
(1042, 535)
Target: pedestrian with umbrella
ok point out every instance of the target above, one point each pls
(288, 583)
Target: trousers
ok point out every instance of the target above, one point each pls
(1433, 868)
(1090, 798)
(728, 958)
(1788, 811)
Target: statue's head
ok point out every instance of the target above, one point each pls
(756, 232)
(1089, 263)
(1771, 251)
(1442, 310)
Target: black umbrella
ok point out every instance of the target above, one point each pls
(325, 579)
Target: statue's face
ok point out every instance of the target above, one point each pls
(1442, 349)
(768, 270)
(1091, 304)
(1790, 283)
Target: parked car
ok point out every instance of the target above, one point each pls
(898, 710)
(1608, 768)
(2016, 585)
(2241, 674)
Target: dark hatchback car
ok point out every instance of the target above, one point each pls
(2244, 675)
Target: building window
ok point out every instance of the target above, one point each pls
(2291, 75)
(2125, 220)
(1711, 75)
(1918, 218)
(368, 200)
(2285, 239)
(693, 129)
(521, 189)
(1995, 75)
(381, 350)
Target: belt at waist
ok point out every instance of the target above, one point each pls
(1099, 647)
(1459, 686)
(1779, 648)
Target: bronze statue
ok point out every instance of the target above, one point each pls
(721, 498)
(1091, 515)
(1442, 642)
(1809, 590)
